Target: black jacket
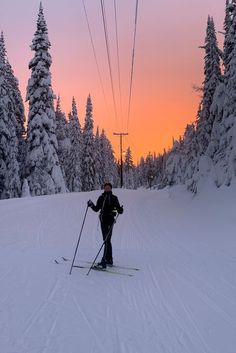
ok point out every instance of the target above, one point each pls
(108, 204)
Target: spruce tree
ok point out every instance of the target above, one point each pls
(109, 171)
(74, 180)
(164, 181)
(4, 126)
(208, 115)
(111, 168)
(87, 159)
(43, 169)
(190, 155)
(19, 112)
(140, 173)
(129, 170)
(62, 138)
(218, 103)
(103, 149)
(159, 167)
(18, 103)
(150, 170)
(174, 163)
(228, 44)
(10, 183)
(221, 151)
(99, 181)
(212, 74)
(225, 156)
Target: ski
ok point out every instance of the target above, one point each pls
(120, 267)
(58, 262)
(95, 268)
(113, 266)
(65, 259)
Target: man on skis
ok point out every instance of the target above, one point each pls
(108, 205)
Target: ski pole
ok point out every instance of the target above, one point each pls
(104, 242)
(72, 265)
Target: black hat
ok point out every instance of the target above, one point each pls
(109, 184)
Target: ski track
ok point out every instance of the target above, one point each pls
(33, 318)
(189, 315)
(185, 334)
(149, 297)
(156, 311)
(205, 297)
(66, 286)
(163, 241)
(205, 288)
(88, 323)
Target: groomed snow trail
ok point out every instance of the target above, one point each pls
(181, 301)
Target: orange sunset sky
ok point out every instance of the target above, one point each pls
(167, 62)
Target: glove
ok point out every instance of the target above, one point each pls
(121, 210)
(90, 203)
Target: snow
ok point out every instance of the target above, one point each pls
(181, 301)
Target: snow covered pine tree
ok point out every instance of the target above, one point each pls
(62, 133)
(225, 156)
(88, 163)
(10, 183)
(43, 169)
(74, 163)
(109, 170)
(129, 170)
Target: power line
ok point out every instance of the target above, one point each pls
(108, 56)
(94, 52)
(118, 58)
(118, 61)
(132, 65)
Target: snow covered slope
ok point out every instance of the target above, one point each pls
(181, 301)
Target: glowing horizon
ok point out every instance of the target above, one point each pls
(168, 62)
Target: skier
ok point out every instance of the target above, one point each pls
(109, 205)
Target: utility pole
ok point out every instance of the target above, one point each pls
(121, 134)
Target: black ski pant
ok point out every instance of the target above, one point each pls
(107, 228)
